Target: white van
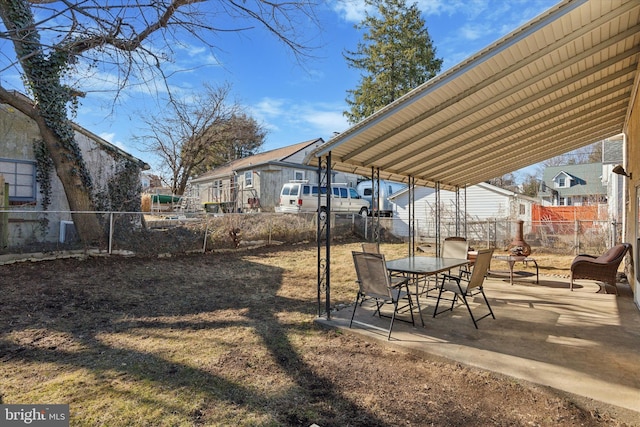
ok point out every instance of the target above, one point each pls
(300, 196)
(387, 188)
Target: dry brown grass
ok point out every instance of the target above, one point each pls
(229, 339)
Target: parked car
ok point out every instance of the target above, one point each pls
(387, 188)
(298, 197)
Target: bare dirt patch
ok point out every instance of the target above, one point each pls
(229, 339)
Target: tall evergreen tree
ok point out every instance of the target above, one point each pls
(395, 56)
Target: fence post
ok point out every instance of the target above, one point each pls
(366, 229)
(206, 230)
(4, 217)
(488, 233)
(576, 238)
(110, 231)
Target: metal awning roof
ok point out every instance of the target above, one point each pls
(562, 81)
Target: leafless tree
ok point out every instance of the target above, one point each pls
(506, 181)
(55, 39)
(587, 154)
(193, 136)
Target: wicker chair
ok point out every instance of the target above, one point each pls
(603, 268)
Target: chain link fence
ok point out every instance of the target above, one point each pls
(24, 231)
(567, 237)
(142, 233)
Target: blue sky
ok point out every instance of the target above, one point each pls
(294, 102)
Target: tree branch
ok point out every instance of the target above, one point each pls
(19, 102)
(128, 44)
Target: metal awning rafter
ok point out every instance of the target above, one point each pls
(503, 95)
(560, 82)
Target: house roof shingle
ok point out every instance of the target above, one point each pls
(276, 155)
(588, 175)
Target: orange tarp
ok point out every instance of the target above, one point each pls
(541, 215)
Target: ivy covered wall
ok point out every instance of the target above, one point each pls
(115, 175)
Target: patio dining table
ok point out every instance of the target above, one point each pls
(419, 267)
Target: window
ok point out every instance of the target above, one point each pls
(248, 179)
(298, 175)
(523, 209)
(216, 189)
(561, 182)
(21, 176)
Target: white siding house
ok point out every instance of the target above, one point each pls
(253, 184)
(482, 201)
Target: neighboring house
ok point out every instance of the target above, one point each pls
(108, 165)
(482, 201)
(573, 185)
(252, 184)
(585, 192)
(150, 182)
(612, 155)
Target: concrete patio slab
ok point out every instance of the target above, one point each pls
(584, 342)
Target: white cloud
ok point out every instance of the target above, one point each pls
(109, 136)
(193, 50)
(326, 122)
(350, 10)
(474, 31)
(437, 7)
(292, 121)
(354, 10)
(269, 107)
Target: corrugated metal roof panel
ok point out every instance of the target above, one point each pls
(559, 82)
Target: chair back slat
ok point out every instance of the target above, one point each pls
(372, 274)
(372, 248)
(454, 248)
(480, 268)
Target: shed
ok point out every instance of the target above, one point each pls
(19, 164)
(481, 202)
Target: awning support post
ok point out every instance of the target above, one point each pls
(438, 208)
(323, 237)
(375, 203)
(412, 215)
